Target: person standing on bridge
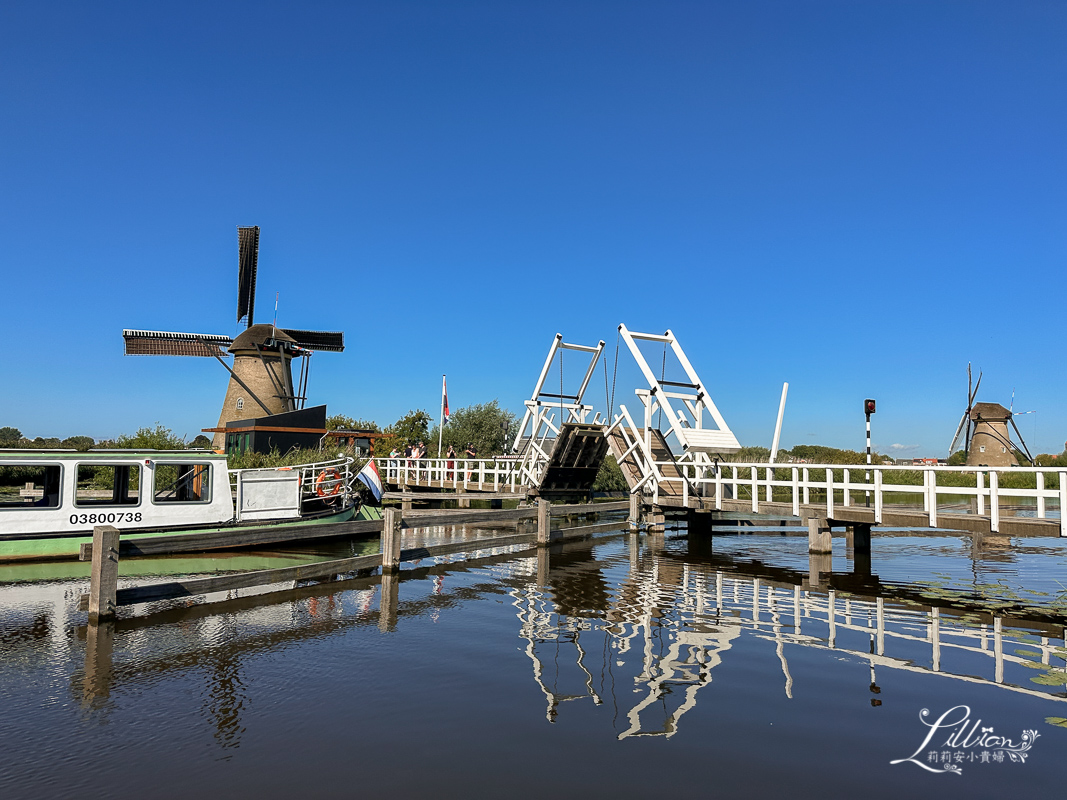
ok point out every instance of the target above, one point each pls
(472, 453)
(450, 465)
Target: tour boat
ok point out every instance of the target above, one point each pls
(50, 500)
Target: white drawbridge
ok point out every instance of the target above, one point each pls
(541, 433)
(696, 423)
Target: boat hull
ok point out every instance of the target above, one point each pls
(66, 546)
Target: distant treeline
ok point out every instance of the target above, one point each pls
(157, 438)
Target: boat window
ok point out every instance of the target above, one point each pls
(182, 483)
(29, 486)
(108, 485)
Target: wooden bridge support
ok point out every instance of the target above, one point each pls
(544, 521)
(655, 519)
(858, 537)
(635, 511)
(858, 547)
(699, 522)
(819, 540)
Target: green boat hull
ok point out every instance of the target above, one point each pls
(51, 548)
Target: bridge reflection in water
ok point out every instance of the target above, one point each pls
(633, 623)
(678, 619)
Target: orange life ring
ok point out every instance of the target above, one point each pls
(327, 476)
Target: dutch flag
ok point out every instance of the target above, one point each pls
(369, 475)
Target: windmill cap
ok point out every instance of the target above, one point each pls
(989, 412)
(261, 335)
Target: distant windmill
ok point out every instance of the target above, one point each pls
(261, 379)
(983, 431)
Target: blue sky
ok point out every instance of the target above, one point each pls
(855, 197)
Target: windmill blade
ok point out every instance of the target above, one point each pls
(330, 341)
(967, 441)
(248, 260)
(952, 448)
(1023, 443)
(974, 394)
(169, 343)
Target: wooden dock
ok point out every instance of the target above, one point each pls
(104, 597)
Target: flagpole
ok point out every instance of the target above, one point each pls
(441, 427)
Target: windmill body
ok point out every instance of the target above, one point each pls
(990, 443)
(261, 379)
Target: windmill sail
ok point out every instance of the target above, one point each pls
(248, 248)
(331, 341)
(168, 343)
(952, 448)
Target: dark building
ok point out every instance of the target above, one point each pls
(283, 432)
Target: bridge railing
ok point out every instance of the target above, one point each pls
(1037, 492)
(482, 474)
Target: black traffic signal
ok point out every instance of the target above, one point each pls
(868, 406)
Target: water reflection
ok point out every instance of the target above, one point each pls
(673, 620)
(637, 626)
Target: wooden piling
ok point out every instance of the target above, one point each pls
(544, 521)
(104, 578)
(656, 519)
(635, 510)
(860, 535)
(391, 518)
(819, 536)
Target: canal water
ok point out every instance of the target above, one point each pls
(614, 666)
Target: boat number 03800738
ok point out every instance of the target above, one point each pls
(101, 519)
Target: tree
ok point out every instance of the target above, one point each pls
(157, 438)
(201, 442)
(343, 422)
(10, 437)
(752, 455)
(411, 428)
(483, 425)
(610, 477)
(957, 459)
(81, 443)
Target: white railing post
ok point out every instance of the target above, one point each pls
(481, 472)
(755, 489)
(718, 487)
(847, 499)
(829, 493)
(980, 488)
(769, 494)
(1041, 495)
(994, 502)
(796, 492)
(1063, 503)
(878, 500)
(933, 499)
(807, 487)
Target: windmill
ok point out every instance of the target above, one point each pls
(983, 431)
(261, 378)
